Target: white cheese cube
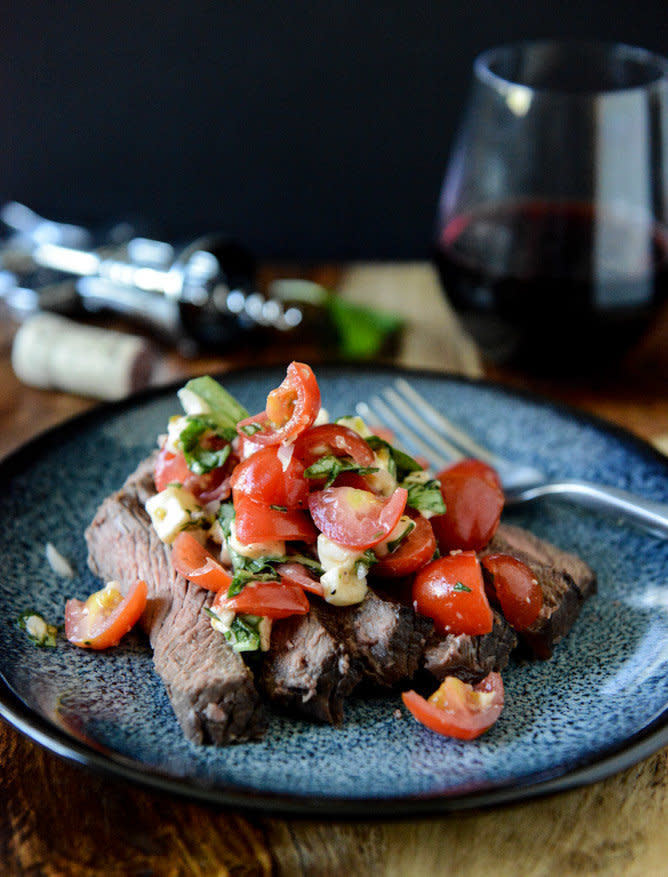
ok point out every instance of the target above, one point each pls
(170, 511)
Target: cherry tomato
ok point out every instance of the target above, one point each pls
(291, 408)
(262, 477)
(356, 518)
(515, 587)
(332, 439)
(192, 560)
(451, 591)
(259, 522)
(297, 574)
(413, 552)
(271, 599)
(457, 709)
(474, 500)
(105, 617)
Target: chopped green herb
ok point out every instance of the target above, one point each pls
(244, 633)
(395, 543)
(201, 459)
(39, 632)
(279, 508)
(425, 497)
(459, 586)
(330, 467)
(223, 406)
(403, 462)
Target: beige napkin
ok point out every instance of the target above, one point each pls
(433, 336)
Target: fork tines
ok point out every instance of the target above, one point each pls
(423, 430)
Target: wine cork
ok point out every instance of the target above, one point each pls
(52, 352)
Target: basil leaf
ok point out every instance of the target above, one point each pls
(225, 517)
(225, 409)
(330, 467)
(404, 462)
(425, 497)
(200, 459)
(395, 543)
(244, 633)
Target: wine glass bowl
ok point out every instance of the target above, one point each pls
(552, 236)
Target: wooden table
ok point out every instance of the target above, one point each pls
(59, 819)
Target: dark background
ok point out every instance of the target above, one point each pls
(307, 129)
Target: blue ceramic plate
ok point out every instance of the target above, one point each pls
(599, 705)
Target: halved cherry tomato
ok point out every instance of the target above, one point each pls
(105, 617)
(356, 518)
(474, 500)
(262, 477)
(332, 439)
(458, 709)
(297, 574)
(413, 552)
(291, 408)
(271, 599)
(192, 560)
(515, 587)
(451, 591)
(259, 522)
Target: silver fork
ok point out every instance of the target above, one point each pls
(427, 432)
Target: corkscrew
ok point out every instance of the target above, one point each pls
(203, 297)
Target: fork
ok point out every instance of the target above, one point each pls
(428, 433)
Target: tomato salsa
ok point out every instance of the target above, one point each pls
(275, 509)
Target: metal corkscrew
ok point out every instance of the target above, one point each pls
(205, 297)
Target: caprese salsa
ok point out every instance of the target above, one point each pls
(278, 508)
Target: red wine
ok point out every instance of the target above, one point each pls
(554, 284)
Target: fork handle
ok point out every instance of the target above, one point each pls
(649, 514)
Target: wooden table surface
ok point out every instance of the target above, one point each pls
(60, 819)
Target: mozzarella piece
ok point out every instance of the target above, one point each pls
(171, 511)
(344, 579)
(175, 427)
(356, 424)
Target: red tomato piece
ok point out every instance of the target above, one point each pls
(291, 408)
(412, 553)
(451, 591)
(356, 518)
(271, 599)
(170, 468)
(474, 501)
(297, 574)
(262, 477)
(458, 709)
(335, 440)
(259, 522)
(192, 560)
(515, 587)
(105, 617)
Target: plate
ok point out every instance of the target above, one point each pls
(600, 704)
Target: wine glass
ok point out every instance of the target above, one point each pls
(552, 238)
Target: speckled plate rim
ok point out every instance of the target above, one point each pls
(107, 762)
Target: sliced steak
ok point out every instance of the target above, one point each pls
(210, 687)
(383, 636)
(307, 670)
(470, 658)
(565, 580)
